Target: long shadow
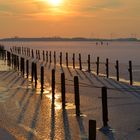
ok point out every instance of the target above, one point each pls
(7, 75)
(14, 81)
(18, 89)
(66, 125)
(34, 119)
(98, 79)
(5, 135)
(22, 113)
(82, 128)
(25, 93)
(52, 133)
(14, 77)
(125, 88)
(69, 71)
(61, 69)
(78, 73)
(87, 77)
(4, 73)
(49, 66)
(109, 134)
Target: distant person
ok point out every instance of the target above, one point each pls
(107, 43)
(102, 43)
(96, 43)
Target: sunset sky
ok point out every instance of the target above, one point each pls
(70, 18)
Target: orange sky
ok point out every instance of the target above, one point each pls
(85, 18)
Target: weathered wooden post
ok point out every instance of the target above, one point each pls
(21, 63)
(50, 57)
(80, 63)
(32, 53)
(35, 74)
(117, 70)
(47, 56)
(63, 89)
(89, 63)
(67, 63)
(92, 130)
(43, 55)
(32, 72)
(36, 54)
(130, 72)
(53, 83)
(8, 58)
(42, 80)
(29, 52)
(77, 97)
(107, 68)
(104, 107)
(60, 58)
(27, 68)
(23, 66)
(97, 63)
(18, 62)
(39, 54)
(54, 57)
(73, 58)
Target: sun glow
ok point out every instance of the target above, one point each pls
(55, 2)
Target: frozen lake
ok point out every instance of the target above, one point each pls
(122, 51)
(115, 50)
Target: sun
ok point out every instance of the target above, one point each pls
(55, 2)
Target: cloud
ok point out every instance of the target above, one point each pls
(29, 9)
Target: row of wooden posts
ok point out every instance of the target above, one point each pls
(20, 65)
(27, 51)
(2, 52)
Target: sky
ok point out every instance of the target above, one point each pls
(70, 18)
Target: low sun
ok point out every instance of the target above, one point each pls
(55, 2)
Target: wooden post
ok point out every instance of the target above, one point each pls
(36, 54)
(12, 60)
(54, 57)
(32, 53)
(73, 60)
(50, 57)
(67, 63)
(77, 97)
(107, 68)
(29, 52)
(53, 82)
(80, 64)
(92, 130)
(130, 72)
(104, 107)
(27, 68)
(23, 66)
(43, 55)
(32, 71)
(117, 70)
(42, 80)
(60, 58)
(18, 62)
(39, 54)
(63, 89)
(35, 74)
(47, 56)
(89, 63)
(97, 63)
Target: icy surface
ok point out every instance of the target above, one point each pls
(28, 117)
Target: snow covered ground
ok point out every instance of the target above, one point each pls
(26, 116)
